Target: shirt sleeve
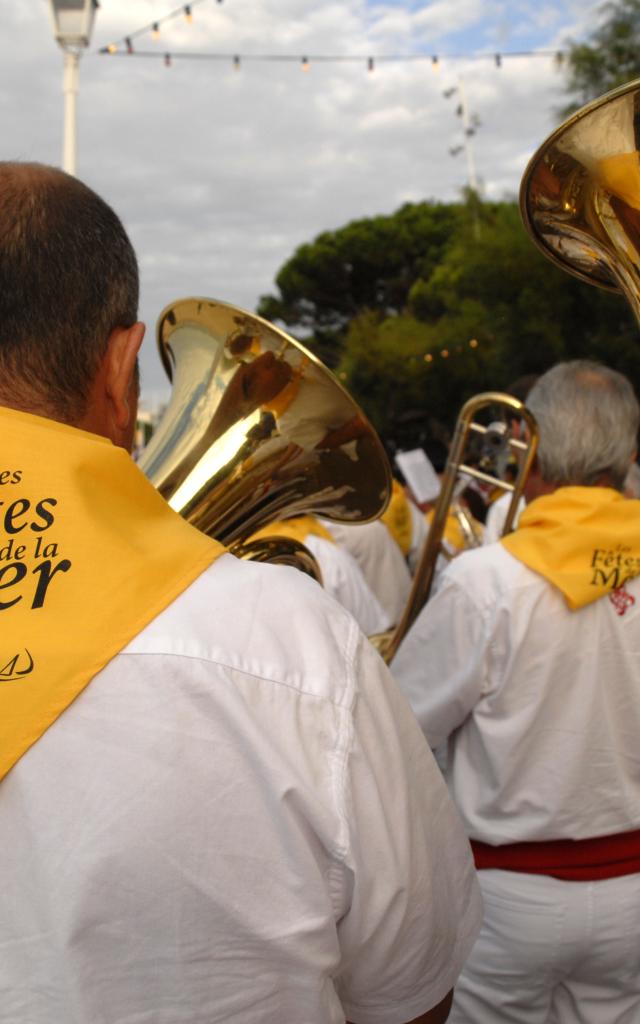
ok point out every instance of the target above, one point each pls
(342, 578)
(413, 905)
(441, 665)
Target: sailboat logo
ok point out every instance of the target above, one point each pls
(20, 664)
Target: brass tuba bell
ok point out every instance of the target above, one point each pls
(580, 194)
(257, 429)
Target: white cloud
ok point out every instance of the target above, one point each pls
(218, 175)
(441, 17)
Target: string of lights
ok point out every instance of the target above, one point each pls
(126, 49)
(153, 28)
(431, 358)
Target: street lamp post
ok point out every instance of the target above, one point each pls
(72, 25)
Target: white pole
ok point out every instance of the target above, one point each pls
(70, 90)
(467, 129)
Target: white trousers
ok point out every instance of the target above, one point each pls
(553, 952)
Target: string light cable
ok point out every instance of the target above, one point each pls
(125, 48)
(125, 45)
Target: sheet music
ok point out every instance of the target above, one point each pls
(419, 473)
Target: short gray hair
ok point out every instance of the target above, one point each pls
(588, 416)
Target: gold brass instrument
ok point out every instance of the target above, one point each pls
(257, 430)
(580, 203)
(280, 551)
(470, 530)
(580, 194)
(496, 444)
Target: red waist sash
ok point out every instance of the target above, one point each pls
(575, 860)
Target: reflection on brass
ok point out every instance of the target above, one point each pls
(280, 551)
(580, 194)
(462, 463)
(257, 429)
(470, 529)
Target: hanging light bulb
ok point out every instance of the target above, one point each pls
(236, 63)
(187, 13)
(155, 30)
(112, 48)
(435, 62)
(305, 63)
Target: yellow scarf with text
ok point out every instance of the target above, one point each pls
(89, 555)
(583, 540)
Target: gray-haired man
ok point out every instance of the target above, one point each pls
(527, 663)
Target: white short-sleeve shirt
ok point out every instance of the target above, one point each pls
(237, 820)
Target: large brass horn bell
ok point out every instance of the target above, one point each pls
(257, 429)
(580, 194)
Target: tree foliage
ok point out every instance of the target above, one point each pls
(610, 56)
(421, 309)
(465, 303)
(369, 264)
(492, 310)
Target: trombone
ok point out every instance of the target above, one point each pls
(496, 443)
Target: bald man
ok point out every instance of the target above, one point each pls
(216, 805)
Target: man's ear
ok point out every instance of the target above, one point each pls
(120, 374)
(533, 483)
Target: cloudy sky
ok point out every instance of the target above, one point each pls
(219, 174)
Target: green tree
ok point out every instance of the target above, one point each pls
(368, 264)
(610, 56)
(491, 310)
(421, 309)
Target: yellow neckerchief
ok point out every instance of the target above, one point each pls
(493, 496)
(89, 555)
(297, 528)
(584, 540)
(453, 534)
(397, 518)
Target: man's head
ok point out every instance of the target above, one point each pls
(588, 417)
(68, 303)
